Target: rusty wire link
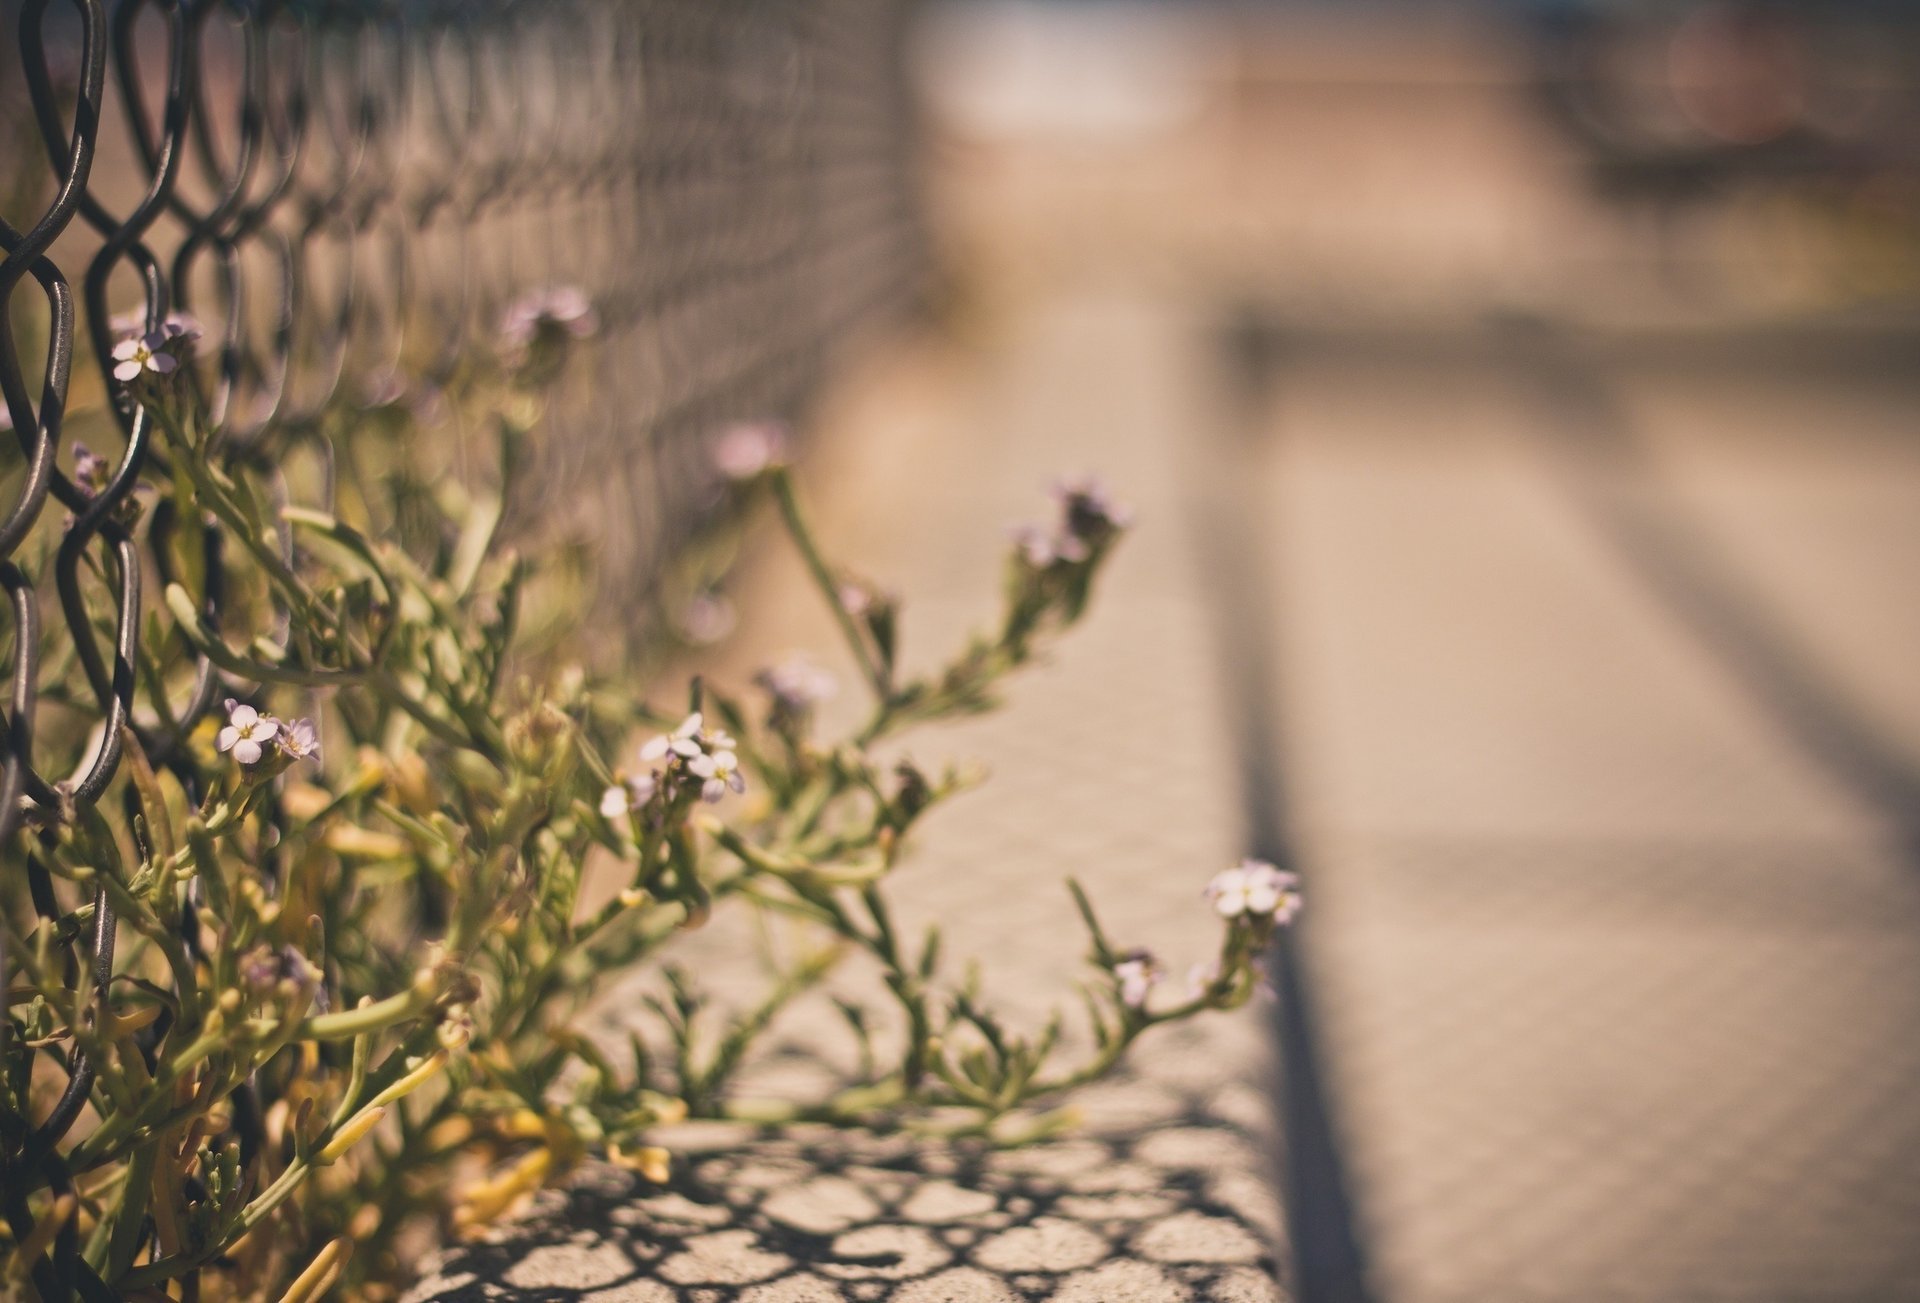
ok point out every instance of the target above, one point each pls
(348, 194)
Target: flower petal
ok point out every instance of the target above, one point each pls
(1227, 880)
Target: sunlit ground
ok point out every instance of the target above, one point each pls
(1553, 479)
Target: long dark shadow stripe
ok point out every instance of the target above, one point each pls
(1329, 1260)
(1611, 475)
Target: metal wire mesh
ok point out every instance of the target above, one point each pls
(348, 196)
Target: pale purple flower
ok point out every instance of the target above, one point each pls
(1290, 902)
(1035, 545)
(1039, 549)
(719, 772)
(142, 353)
(247, 732)
(1087, 510)
(709, 617)
(867, 602)
(175, 325)
(683, 741)
(796, 684)
(91, 471)
(705, 753)
(565, 309)
(181, 326)
(740, 452)
(1255, 889)
(628, 795)
(1137, 972)
(300, 740)
(265, 968)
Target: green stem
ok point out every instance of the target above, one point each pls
(823, 579)
(374, 1017)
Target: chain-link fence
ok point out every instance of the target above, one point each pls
(348, 197)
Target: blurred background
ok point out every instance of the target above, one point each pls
(1540, 388)
(1519, 405)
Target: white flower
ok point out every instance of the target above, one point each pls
(1137, 972)
(683, 741)
(742, 451)
(300, 741)
(247, 732)
(707, 754)
(721, 770)
(141, 353)
(1255, 889)
(627, 795)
